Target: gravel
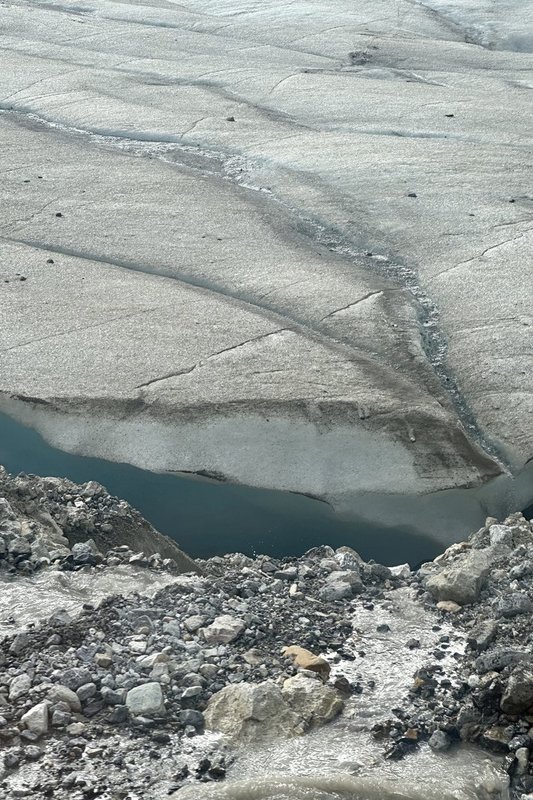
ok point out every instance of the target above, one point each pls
(112, 703)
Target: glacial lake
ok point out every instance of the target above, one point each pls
(208, 518)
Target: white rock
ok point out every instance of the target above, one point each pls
(501, 533)
(522, 759)
(191, 691)
(448, 606)
(401, 570)
(147, 662)
(75, 728)
(19, 686)
(137, 645)
(36, 719)
(146, 700)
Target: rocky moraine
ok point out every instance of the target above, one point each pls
(142, 695)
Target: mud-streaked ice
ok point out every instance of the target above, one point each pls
(285, 243)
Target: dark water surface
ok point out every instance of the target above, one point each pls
(208, 518)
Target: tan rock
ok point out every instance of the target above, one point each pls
(449, 606)
(304, 659)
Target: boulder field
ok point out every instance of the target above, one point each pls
(143, 695)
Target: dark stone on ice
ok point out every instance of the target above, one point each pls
(401, 749)
(181, 767)
(343, 685)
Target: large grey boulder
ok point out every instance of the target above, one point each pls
(252, 712)
(19, 643)
(313, 701)
(86, 553)
(146, 700)
(463, 580)
(255, 712)
(341, 584)
(518, 695)
(19, 546)
(6, 512)
(440, 741)
(501, 534)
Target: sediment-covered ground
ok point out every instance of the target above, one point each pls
(162, 685)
